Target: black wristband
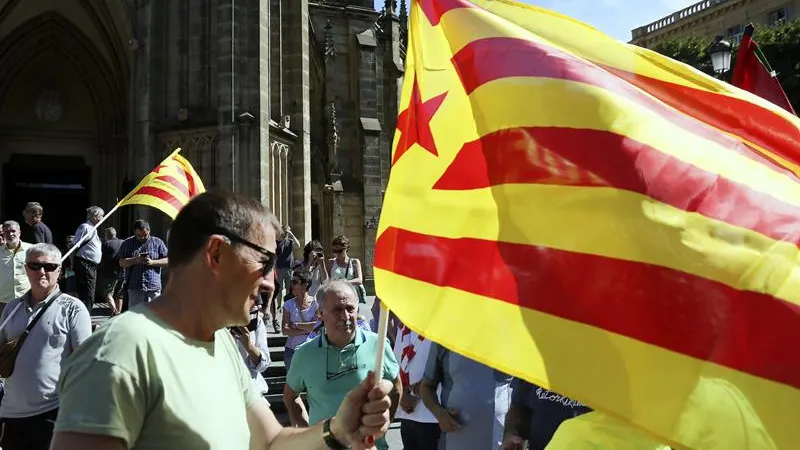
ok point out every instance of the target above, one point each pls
(329, 439)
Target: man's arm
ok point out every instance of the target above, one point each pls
(162, 260)
(395, 395)
(3, 316)
(80, 326)
(267, 433)
(79, 234)
(295, 407)
(434, 372)
(364, 412)
(81, 441)
(126, 258)
(129, 262)
(427, 392)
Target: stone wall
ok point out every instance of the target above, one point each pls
(232, 71)
(361, 47)
(202, 71)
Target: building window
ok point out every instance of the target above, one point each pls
(734, 34)
(777, 17)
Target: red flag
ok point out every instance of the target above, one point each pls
(753, 74)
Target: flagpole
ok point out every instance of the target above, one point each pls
(383, 331)
(113, 210)
(75, 245)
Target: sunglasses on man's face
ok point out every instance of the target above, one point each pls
(267, 262)
(48, 267)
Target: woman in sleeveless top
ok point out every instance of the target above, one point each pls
(299, 314)
(343, 267)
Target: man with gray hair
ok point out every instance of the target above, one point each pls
(336, 361)
(13, 282)
(88, 256)
(57, 324)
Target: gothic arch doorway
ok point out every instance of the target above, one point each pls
(64, 94)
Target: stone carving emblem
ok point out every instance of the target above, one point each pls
(48, 106)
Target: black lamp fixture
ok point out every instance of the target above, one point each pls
(720, 52)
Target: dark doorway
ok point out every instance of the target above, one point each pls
(60, 183)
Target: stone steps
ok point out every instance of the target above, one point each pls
(275, 375)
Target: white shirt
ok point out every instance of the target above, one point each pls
(414, 364)
(13, 279)
(259, 338)
(92, 250)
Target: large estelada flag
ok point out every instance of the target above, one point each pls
(168, 187)
(753, 73)
(598, 219)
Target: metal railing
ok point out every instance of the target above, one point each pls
(677, 16)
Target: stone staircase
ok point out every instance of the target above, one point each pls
(275, 375)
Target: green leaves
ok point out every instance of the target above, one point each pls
(779, 44)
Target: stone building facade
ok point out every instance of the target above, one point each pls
(292, 102)
(710, 18)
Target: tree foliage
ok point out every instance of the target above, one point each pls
(690, 50)
(780, 45)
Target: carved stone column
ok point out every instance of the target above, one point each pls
(273, 190)
(286, 199)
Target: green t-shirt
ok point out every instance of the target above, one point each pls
(140, 380)
(328, 373)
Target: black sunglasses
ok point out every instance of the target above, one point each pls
(268, 261)
(48, 267)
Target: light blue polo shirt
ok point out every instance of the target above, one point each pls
(327, 373)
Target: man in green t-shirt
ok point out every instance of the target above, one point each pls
(168, 375)
(339, 358)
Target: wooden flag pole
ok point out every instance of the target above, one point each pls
(75, 245)
(383, 325)
(383, 331)
(115, 208)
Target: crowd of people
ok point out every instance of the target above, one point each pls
(182, 367)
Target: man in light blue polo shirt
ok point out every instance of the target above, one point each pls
(330, 365)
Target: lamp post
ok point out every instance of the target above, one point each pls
(720, 52)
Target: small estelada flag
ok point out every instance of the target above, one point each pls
(169, 187)
(753, 73)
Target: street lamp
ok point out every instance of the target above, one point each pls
(720, 52)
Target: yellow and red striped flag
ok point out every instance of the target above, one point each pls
(169, 187)
(598, 219)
